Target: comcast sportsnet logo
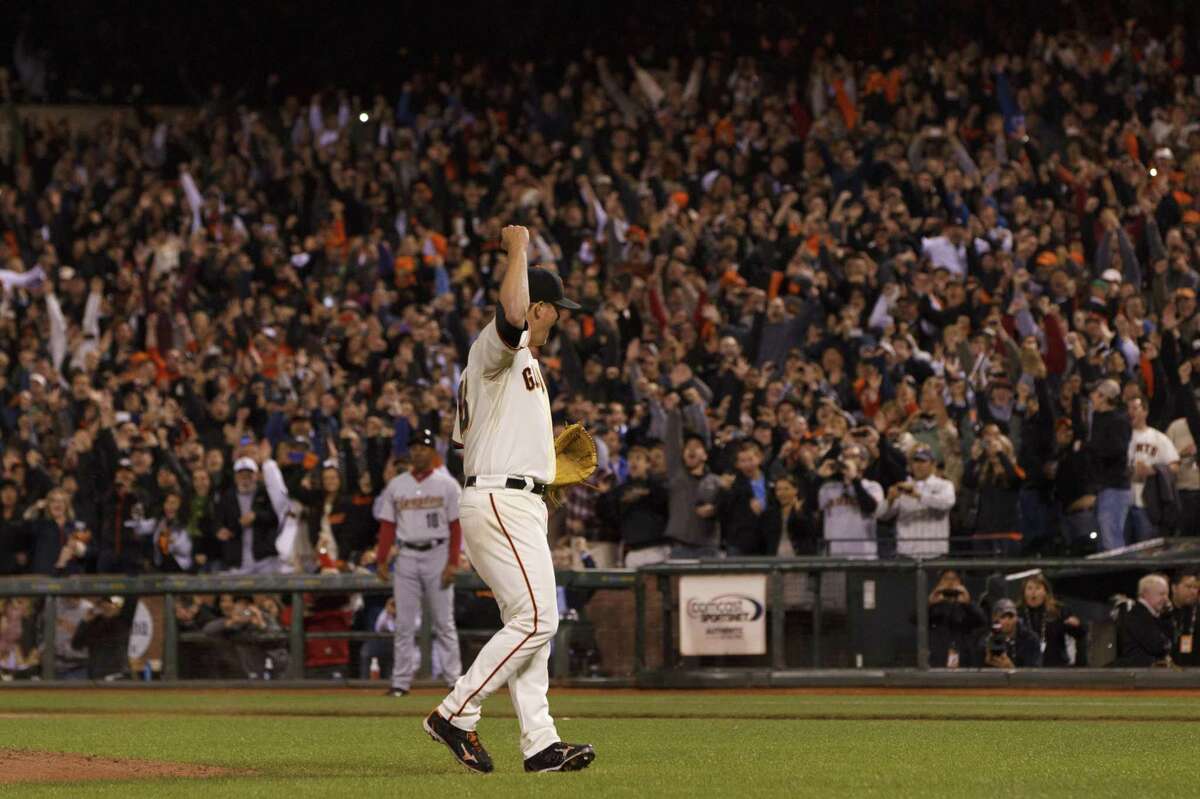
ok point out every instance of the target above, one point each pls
(725, 608)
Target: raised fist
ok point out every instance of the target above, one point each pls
(514, 236)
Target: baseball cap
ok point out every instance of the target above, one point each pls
(1185, 292)
(245, 465)
(423, 436)
(1003, 607)
(921, 454)
(1111, 276)
(125, 463)
(547, 286)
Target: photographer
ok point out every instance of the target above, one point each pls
(953, 623)
(242, 623)
(1009, 644)
(849, 504)
(921, 506)
(104, 634)
(994, 474)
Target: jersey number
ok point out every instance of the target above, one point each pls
(464, 413)
(531, 379)
(431, 519)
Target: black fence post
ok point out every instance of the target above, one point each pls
(815, 578)
(170, 665)
(639, 630)
(922, 588)
(778, 653)
(668, 640)
(49, 633)
(295, 669)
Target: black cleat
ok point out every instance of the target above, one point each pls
(395, 692)
(465, 746)
(562, 757)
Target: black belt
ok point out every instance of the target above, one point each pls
(422, 546)
(514, 482)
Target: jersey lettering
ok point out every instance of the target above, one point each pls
(464, 414)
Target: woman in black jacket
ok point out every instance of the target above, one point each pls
(336, 522)
(789, 530)
(1051, 623)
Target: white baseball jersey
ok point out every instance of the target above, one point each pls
(1152, 448)
(922, 521)
(1181, 436)
(503, 421)
(421, 509)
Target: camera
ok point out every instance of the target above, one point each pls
(950, 594)
(997, 645)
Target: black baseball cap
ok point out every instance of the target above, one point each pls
(547, 286)
(423, 436)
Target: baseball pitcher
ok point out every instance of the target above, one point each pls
(504, 427)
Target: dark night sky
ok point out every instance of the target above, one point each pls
(176, 50)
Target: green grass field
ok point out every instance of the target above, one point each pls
(356, 743)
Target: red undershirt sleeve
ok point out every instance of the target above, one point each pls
(387, 535)
(455, 542)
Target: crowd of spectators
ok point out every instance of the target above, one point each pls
(937, 301)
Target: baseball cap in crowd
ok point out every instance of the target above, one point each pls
(245, 465)
(1185, 292)
(1004, 607)
(1111, 276)
(921, 454)
(423, 436)
(125, 463)
(546, 286)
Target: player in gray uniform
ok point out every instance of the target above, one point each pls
(419, 510)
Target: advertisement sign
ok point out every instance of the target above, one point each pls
(723, 614)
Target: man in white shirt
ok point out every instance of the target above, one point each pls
(1148, 448)
(921, 506)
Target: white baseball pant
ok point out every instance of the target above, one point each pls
(505, 536)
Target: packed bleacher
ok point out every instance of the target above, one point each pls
(941, 302)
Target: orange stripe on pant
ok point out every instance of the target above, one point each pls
(532, 600)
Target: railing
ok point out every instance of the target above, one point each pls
(648, 584)
(171, 586)
(671, 673)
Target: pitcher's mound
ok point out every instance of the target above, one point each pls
(23, 765)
